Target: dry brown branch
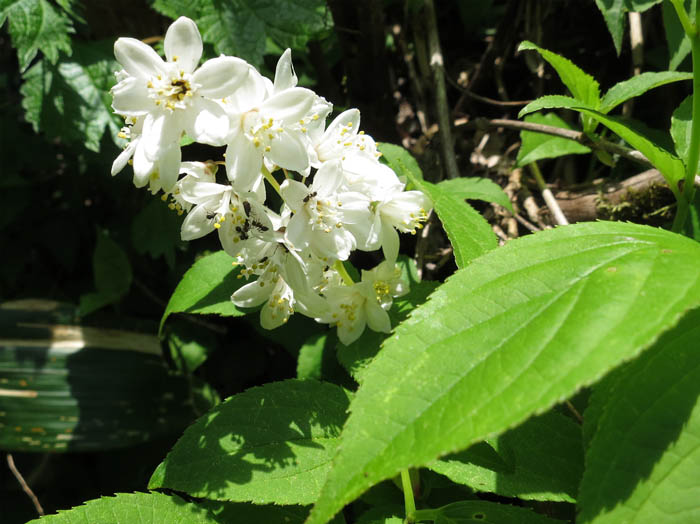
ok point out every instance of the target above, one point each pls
(24, 485)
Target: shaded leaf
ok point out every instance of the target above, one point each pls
(516, 331)
(615, 14)
(483, 512)
(35, 25)
(156, 230)
(682, 127)
(550, 102)
(643, 460)
(270, 444)
(545, 461)
(678, 42)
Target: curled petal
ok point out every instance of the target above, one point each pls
(377, 318)
(183, 44)
(196, 224)
(169, 166)
(243, 163)
(219, 77)
(252, 294)
(390, 244)
(160, 130)
(207, 123)
(285, 77)
(123, 157)
(294, 193)
(143, 167)
(137, 58)
(249, 94)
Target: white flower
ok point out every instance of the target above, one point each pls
(352, 307)
(172, 97)
(267, 124)
(321, 212)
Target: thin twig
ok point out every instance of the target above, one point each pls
(443, 112)
(576, 136)
(549, 199)
(484, 99)
(529, 225)
(574, 412)
(23, 483)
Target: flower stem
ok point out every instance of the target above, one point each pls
(340, 268)
(409, 503)
(691, 165)
(268, 176)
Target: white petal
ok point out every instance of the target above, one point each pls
(130, 97)
(390, 243)
(196, 224)
(297, 232)
(294, 193)
(377, 318)
(160, 130)
(350, 331)
(169, 166)
(219, 77)
(207, 122)
(252, 294)
(123, 157)
(137, 58)
(143, 167)
(288, 151)
(285, 77)
(198, 192)
(290, 105)
(183, 44)
(249, 94)
(243, 163)
(328, 179)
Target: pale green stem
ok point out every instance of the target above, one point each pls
(409, 503)
(691, 165)
(340, 268)
(268, 176)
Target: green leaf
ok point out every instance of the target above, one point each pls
(638, 85)
(400, 160)
(678, 42)
(270, 444)
(615, 14)
(537, 146)
(643, 461)
(681, 127)
(156, 230)
(671, 166)
(35, 25)
(582, 85)
(241, 27)
(516, 331)
(177, 8)
(317, 359)
(71, 100)
(475, 188)
(242, 513)
(134, 508)
(550, 102)
(206, 288)
(545, 461)
(483, 512)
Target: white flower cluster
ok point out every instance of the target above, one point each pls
(336, 196)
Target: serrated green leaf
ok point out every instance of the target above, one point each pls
(537, 146)
(71, 100)
(638, 85)
(643, 461)
(270, 444)
(682, 126)
(177, 8)
(671, 166)
(550, 102)
(206, 288)
(516, 331)
(483, 512)
(134, 508)
(35, 25)
(242, 513)
(615, 14)
(476, 188)
(400, 160)
(241, 27)
(156, 230)
(582, 85)
(317, 356)
(545, 461)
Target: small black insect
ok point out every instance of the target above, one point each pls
(258, 225)
(210, 215)
(246, 207)
(309, 197)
